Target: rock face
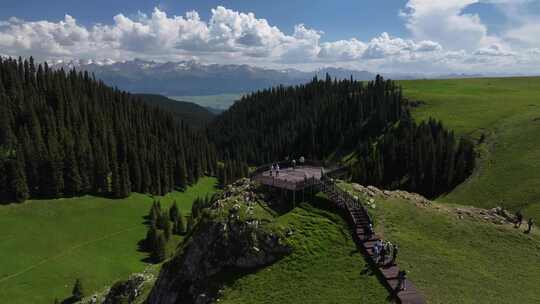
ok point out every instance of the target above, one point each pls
(372, 191)
(223, 239)
(125, 291)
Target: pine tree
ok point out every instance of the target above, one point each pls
(159, 253)
(161, 220)
(150, 241)
(180, 224)
(167, 229)
(190, 224)
(72, 178)
(173, 212)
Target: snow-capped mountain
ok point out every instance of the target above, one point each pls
(194, 78)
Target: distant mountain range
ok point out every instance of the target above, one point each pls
(193, 78)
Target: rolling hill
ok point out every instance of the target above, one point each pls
(503, 115)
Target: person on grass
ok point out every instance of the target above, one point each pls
(530, 223)
(519, 219)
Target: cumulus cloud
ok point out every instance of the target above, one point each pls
(442, 37)
(444, 21)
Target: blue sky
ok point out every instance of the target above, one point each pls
(428, 36)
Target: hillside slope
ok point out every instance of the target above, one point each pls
(453, 257)
(47, 244)
(507, 112)
(247, 249)
(191, 113)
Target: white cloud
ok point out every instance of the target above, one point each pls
(442, 38)
(445, 22)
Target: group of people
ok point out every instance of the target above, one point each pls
(519, 221)
(274, 169)
(384, 249)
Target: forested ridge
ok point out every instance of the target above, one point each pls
(323, 117)
(64, 133)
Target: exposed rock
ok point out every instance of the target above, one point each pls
(371, 191)
(495, 215)
(218, 243)
(125, 291)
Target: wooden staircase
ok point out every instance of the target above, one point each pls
(360, 219)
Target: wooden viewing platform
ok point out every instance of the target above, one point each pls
(289, 178)
(315, 176)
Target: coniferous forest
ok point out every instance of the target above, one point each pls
(327, 116)
(65, 134)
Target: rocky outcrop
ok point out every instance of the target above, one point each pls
(228, 236)
(372, 192)
(496, 215)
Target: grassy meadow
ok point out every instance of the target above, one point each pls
(455, 260)
(46, 244)
(324, 267)
(507, 112)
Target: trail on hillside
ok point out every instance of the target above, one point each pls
(66, 252)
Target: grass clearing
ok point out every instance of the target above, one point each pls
(46, 244)
(507, 112)
(325, 266)
(456, 260)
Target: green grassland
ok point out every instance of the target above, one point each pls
(324, 267)
(46, 244)
(455, 260)
(507, 112)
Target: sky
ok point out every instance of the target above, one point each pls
(399, 36)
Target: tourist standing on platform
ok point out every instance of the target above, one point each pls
(277, 169)
(294, 164)
(272, 168)
(302, 160)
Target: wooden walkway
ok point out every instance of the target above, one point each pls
(359, 218)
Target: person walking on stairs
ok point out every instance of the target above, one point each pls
(402, 276)
(376, 253)
(369, 231)
(394, 254)
(530, 223)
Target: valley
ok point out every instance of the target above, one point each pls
(47, 244)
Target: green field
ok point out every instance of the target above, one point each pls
(507, 112)
(456, 260)
(325, 266)
(46, 244)
(219, 102)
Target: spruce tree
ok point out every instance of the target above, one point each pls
(151, 239)
(167, 231)
(173, 212)
(180, 224)
(159, 253)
